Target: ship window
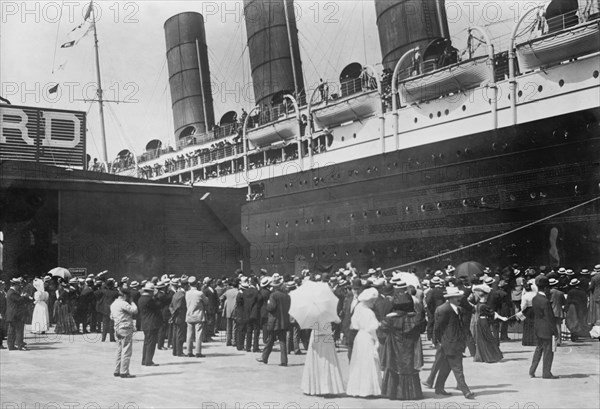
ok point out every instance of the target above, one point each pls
(328, 219)
(439, 114)
(286, 224)
(364, 214)
(439, 206)
(464, 107)
(247, 228)
(407, 209)
(423, 208)
(596, 73)
(312, 220)
(533, 195)
(347, 253)
(431, 116)
(268, 226)
(277, 224)
(416, 120)
(513, 197)
(520, 94)
(343, 139)
(378, 212)
(354, 136)
(286, 186)
(447, 112)
(464, 203)
(540, 88)
(561, 83)
(352, 215)
(296, 222)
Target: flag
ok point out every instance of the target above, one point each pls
(68, 44)
(88, 12)
(53, 89)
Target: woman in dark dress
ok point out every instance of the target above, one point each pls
(398, 335)
(487, 348)
(529, 338)
(65, 324)
(576, 309)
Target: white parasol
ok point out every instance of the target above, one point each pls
(409, 279)
(314, 303)
(60, 272)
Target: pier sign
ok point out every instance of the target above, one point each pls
(47, 136)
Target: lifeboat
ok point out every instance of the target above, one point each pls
(556, 47)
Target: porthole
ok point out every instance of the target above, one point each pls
(520, 94)
(439, 206)
(422, 208)
(464, 107)
(533, 195)
(540, 88)
(328, 219)
(416, 120)
(354, 136)
(561, 83)
(343, 139)
(465, 203)
(596, 74)
(512, 197)
(268, 226)
(431, 116)
(407, 209)
(439, 114)
(447, 112)
(365, 214)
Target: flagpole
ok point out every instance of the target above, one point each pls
(99, 91)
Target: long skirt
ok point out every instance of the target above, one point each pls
(487, 349)
(40, 320)
(322, 374)
(364, 377)
(401, 382)
(529, 338)
(65, 324)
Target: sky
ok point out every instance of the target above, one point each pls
(132, 51)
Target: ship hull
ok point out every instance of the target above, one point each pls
(427, 205)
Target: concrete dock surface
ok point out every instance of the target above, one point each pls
(76, 371)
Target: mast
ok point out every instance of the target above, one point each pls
(289, 34)
(99, 90)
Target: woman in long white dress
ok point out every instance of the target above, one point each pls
(41, 317)
(365, 372)
(322, 374)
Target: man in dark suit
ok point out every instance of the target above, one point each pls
(544, 328)
(278, 321)
(211, 308)
(449, 334)
(247, 306)
(165, 295)
(16, 313)
(2, 314)
(109, 295)
(178, 310)
(150, 314)
(263, 298)
(350, 303)
(433, 299)
(85, 304)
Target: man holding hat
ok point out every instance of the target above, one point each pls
(449, 333)
(557, 299)
(16, 312)
(278, 321)
(122, 311)
(150, 316)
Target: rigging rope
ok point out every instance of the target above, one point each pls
(496, 236)
(56, 40)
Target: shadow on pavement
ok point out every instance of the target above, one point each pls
(495, 392)
(502, 385)
(574, 376)
(158, 374)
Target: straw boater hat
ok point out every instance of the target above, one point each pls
(148, 288)
(161, 284)
(484, 288)
(244, 283)
(16, 281)
(553, 281)
(452, 292)
(570, 272)
(438, 273)
(450, 269)
(276, 280)
(265, 281)
(488, 281)
(192, 280)
(596, 269)
(397, 282)
(585, 272)
(574, 282)
(562, 270)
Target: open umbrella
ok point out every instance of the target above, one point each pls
(313, 303)
(469, 269)
(409, 279)
(60, 272)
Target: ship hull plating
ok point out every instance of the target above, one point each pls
(402, 207)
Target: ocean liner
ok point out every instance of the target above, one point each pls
(445, 156)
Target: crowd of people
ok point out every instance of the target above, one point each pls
(382, 317)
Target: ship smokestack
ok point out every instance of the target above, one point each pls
(273, 48)
(189, 75)
(405, 24)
